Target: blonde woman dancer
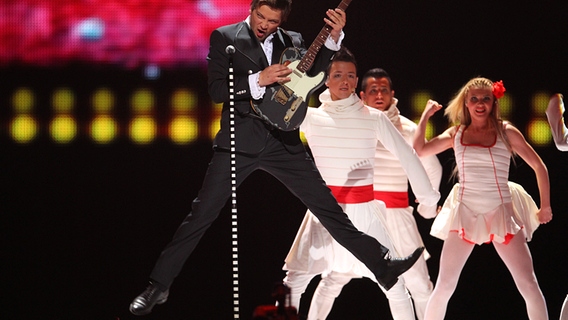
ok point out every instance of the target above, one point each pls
(483, 145)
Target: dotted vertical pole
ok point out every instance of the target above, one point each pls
(234, 235)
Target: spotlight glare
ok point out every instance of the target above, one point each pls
(103, 100)
(215, 124)
(152, 72)
(103, 129)
(214, 127)
(303, 138)
(430, 129)
(23, 100)
(63, 100)
(143, 130)
(90, 29)
(23, 129)
(63, 129)
(418, 101)
(183, 100)
(539, 102)
(506, 106)
(183, 130)
(539, 133)
(142, 101)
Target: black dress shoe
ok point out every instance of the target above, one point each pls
(144, 303)
(394, 267)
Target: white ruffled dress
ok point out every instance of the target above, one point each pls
(485, 206)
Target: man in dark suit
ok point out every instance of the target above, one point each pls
(258, 43)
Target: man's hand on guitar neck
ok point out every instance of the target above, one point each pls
(274, 73)
(336, 21)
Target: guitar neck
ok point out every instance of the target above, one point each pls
(322, 36)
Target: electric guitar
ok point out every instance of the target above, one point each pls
(284, 106)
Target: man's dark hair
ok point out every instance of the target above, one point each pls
(284, 5)
(343, 55)
(375, 73)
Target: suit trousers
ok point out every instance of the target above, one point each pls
(298, 173)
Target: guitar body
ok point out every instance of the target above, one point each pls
(285, 106)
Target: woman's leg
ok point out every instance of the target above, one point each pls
(564, 311)
(517, 257)
(454, 255)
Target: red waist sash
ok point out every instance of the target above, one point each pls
(345, 194)
(393, 199)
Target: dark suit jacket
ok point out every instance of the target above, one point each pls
(251, 133)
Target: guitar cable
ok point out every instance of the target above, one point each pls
(230, 50)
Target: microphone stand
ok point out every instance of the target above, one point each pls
(230, 50)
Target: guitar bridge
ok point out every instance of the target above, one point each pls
(293, 108)
(283, 95)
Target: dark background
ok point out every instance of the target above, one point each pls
(81, 224)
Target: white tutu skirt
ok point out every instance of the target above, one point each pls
(316, 252)
(499, 224)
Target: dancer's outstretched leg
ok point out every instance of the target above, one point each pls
(517, 257)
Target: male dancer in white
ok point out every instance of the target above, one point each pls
(390, 185)
(342, 134)
(554, 113)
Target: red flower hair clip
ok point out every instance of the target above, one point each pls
(498, 89)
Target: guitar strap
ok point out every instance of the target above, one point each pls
(280, 42)
(287, 39)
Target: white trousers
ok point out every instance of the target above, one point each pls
(405, 237)
(330, 287)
